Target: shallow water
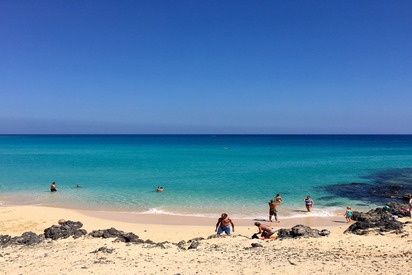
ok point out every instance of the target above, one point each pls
(202, 175)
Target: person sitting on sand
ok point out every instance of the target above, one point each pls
(159, 189)
(348, 214)
(265, 231)
(223, 225)
(53, 187)
(309, 203)
(278, 199)
(273, 211)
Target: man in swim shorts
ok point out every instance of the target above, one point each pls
(265, 231)
(272, 210)
(223, 225)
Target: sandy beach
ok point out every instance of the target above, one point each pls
(386, 253)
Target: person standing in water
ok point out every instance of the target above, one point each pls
(309, 203)
(53, 187)
(272, 210)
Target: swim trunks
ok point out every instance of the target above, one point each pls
(222, 229)
(273, 212)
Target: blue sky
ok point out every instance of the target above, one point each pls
(199, 67)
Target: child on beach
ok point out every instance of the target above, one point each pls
(348, 214)
(278, 199)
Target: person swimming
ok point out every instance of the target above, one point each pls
(159, 189)
(53, 187)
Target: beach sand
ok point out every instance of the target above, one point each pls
(387, 253)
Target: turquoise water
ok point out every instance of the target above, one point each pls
(202, 175)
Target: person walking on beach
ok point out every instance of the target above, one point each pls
(278, 199)
(348, 214)
(223, 225)
(309, 203)
(265, 231)
(272, 210)
(53, 187)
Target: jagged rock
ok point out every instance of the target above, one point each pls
(304, 231)
(5, 240)
(79, 232)
(163, 245)
(118, 234)
(214, 236)
(128, 237)
(65, 230)
(181, 245)
(197, 239)
(398, 209)
(194, 245)
(380, 219)
(104, 250)
(27, 238)
(301, 231)
(282, 233)
(148, 241)
(324, 232)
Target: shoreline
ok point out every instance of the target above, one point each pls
(285, 211)
(337, 253)
(158, 227)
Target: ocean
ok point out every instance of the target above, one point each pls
(204, 175)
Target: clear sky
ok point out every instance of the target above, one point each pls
(199, 67)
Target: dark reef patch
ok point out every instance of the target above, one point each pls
(389, 184)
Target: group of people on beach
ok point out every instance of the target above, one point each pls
(266, 231)
(224, 223)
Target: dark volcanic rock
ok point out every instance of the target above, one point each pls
(104, 250)
(214, 236)
(385, 185)
(194, 245)
(257, 245)
(118, 234)
(379, 219)
(128, 238)
(28, 238)
(5, 240)
(181, 245)
(65, 230)
(301, 231)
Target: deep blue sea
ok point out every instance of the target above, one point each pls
(202, 175)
